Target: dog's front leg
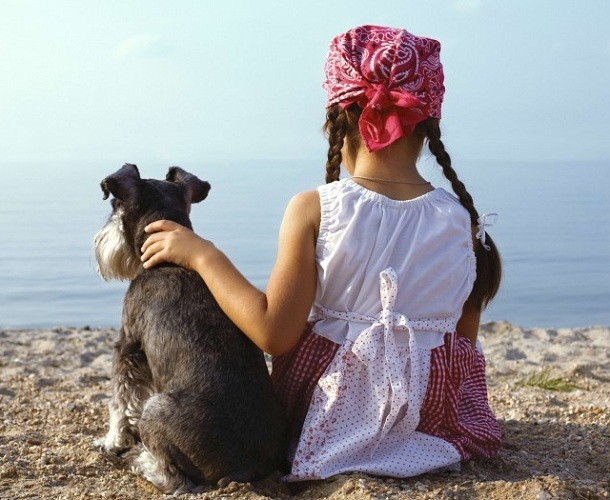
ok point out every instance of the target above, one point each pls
(131, 388)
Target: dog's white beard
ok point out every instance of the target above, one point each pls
(115, 257)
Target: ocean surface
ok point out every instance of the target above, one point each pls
(553, 231)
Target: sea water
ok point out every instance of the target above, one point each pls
(553, 231)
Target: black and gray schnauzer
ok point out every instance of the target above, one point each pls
(187, 384)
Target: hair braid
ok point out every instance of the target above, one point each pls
(336, 127)
(437, 148)
(489, 266)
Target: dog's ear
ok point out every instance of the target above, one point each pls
(123, 184)
(195, 189)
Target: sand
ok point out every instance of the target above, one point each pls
(54, 390)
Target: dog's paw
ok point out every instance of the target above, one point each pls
(99, 443)
(114, 444)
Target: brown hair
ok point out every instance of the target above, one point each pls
(342, 125)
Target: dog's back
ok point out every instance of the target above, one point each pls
(213, 389)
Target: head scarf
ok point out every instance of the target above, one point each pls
(394, 76)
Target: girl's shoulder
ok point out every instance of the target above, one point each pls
(305, 207)
(306, 202)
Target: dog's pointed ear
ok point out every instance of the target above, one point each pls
(195, 189)
(123, 184)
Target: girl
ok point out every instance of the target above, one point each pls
(389, 274)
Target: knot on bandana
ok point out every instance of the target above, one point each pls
(379, 97)
(394, 76)
(387, 115)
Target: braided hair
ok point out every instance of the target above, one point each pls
(342, 125)
(489, 265)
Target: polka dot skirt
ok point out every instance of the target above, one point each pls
(337, 421)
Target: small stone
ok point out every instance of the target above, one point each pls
(420, 486)
(9, 471)
(232, 487)
(348, 487)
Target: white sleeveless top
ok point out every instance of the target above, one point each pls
(423, 244)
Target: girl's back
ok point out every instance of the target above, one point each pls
(427, 241)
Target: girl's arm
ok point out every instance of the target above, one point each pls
(274, 320)
(468, 324)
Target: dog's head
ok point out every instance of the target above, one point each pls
(137, 202)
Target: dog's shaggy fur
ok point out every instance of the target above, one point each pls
(187, 384)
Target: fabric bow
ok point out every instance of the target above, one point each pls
(377, 344)
(387, 115)
(485, 220)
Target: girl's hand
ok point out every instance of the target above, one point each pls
(171, 242)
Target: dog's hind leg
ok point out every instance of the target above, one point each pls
(162, 461)
(188, 445)
(159, 469)
(132, 387)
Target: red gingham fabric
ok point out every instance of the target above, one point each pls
(455, 407)
(295, 375)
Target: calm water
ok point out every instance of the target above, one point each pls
(553, 231)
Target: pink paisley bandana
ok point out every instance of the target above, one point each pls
(394, 76)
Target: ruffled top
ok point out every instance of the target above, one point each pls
(425, 241)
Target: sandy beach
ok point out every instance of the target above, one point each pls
(550, 390)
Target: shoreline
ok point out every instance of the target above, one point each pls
(54, 391)
(87, 326)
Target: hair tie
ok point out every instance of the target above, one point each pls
(485, 220)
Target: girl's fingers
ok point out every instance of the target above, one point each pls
(161, 225)
(159, 230)
(167, 241)
(152, 239)
(152, 255)
(152, 262)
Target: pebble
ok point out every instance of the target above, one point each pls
(348, 487)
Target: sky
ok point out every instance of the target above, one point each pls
(187, 81)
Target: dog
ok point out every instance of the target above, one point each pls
(192, 397)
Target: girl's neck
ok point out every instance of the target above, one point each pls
(391, 171)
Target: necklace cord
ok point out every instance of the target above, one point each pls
(389, 181)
